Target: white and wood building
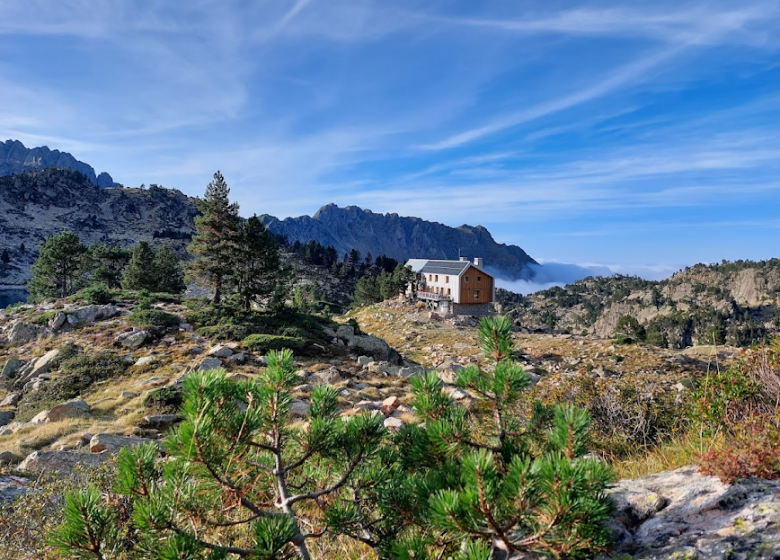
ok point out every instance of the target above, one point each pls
(453, 287)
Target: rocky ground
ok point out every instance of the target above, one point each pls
(678, 514)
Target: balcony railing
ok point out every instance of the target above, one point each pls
(432, 296)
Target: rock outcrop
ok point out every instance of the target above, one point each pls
(16, 158)
(684, 514)
(401, 238)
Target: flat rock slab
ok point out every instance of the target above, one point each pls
(684, 514)
(60, 461)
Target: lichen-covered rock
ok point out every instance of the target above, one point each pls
(684, 514)
(209, 363)
(10, 368)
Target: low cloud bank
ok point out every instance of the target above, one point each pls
(549, 274)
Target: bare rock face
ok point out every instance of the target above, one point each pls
(59, 461)
(684, 514)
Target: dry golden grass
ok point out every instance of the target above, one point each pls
(32, 438)
(671, 455)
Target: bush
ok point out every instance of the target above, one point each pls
(99, 366)
(165, 400)
(752, 449)
(266, 342)
(154, 319)
(79, 372)
(98, 295)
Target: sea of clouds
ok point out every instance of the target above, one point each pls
(548, 274)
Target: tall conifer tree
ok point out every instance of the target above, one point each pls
(215, 241)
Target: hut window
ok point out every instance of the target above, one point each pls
(476, 295)
(446, 279)
(479, 278)
(437, 278)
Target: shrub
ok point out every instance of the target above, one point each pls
(264, 343)
(99, 366)
(51, 393)
(98, 295)
(154, 319)
(751, 449)
(165, 400)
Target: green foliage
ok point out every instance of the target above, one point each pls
(154, 271)
(628, 328)
(235, 462)
(153, 319)
(382, 286)
(60, 268)
(98, 294)
(214, 244)
(165, 400)
(266, 342)
(107, 263)
(257, 271)
(485, 481)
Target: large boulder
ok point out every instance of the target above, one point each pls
(159, 421)
(71, 409)
(6, 416)
(372, 345)
(91, 313)
(40, 366)
(448, 372)
(221, 351)
(10, 368)
(134, 339)
(209, 363)
(113, 442)
(24, 332)
(684, 514)
(11, 399)
(59, 461)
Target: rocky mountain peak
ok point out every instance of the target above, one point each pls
(16, 158)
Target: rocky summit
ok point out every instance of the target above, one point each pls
(16, 158)
(402, 238)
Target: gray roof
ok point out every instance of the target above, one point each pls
(425, 266)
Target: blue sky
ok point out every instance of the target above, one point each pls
(641, 135)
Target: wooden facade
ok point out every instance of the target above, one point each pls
(476, 286)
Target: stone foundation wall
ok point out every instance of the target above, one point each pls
(476, 309)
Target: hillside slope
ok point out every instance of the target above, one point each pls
(402, 238)
(733, 302)
(36, 205)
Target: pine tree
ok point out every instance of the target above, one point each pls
(140, 273)
(214, 243)
(107, 263)
(495, 488)
(257, 269)
(235, 462)
(60, 267)
(168, 272)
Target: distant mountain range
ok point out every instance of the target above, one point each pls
(44, 192)
(402, 238)
(16, 158)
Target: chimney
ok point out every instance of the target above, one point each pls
(478, 261)
(463, 259)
